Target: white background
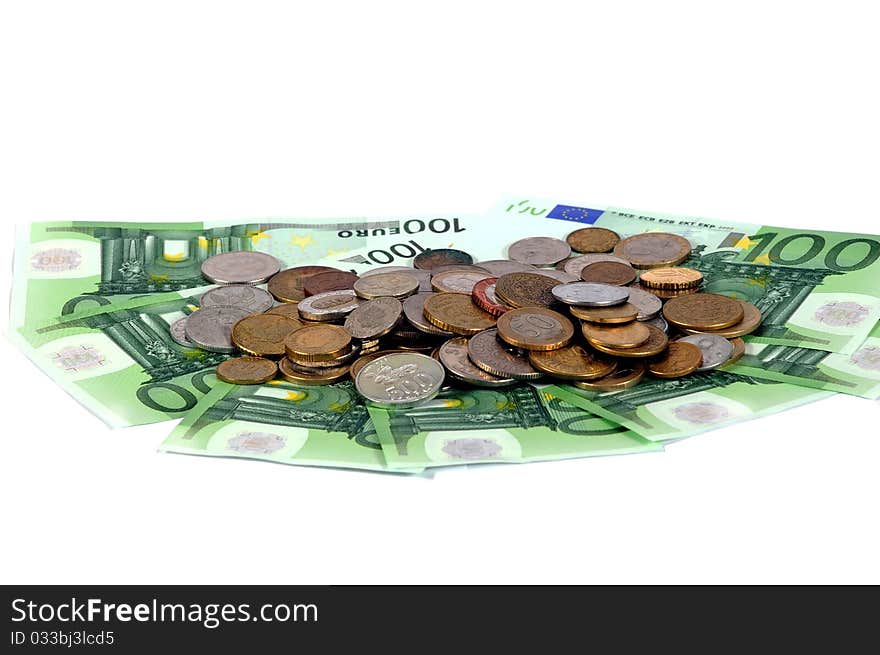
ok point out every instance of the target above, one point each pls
(763, 111)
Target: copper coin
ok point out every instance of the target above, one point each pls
(626, 375)
(750, 322)
(703, 311)
(330, 363)
(319, 342)
(414, 310)
(396, 285)
(573, 362)
(287, 286)
(653, 249)
(456, 313)
(616, 336)
(453, 354)
(374, 318)
(535, 328)
(288, 309)
(679, 359)
(671, 277)
(488, 353)
(656, 344)
(575, 265)
(302, 375)
(539, 251)
(592, 239)
(457, 281)
(525, 290)
(625, 313)
(246, 370)
(609, 273)
(483, 295)
(431, 259)
(328, 281)
(263, 335)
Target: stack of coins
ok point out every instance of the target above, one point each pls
(594, 310)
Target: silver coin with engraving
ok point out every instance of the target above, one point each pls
(240, 267)
(499, 267)
(539, 251)
(210, 328)
(658, 322)
(400, 380)
(716, 350)
(253, 299)
(590, 294)
(329, 305)
(575, 265)
(648, 304)
(177, 330)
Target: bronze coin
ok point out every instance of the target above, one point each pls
(679, 359)
(330, 363)
(329, 281)
(374, 318)
(319, 342)
(572, 362)
(488, 353)
(414, 310)
(287, 286)
(630, 335)
(671, 277)
(395, 285)
(626, 375)
(575, 265)
(288, 309)
(263, 335)
(525, 290)
(609, 273)
(751, 321)
(653, 249)
(483, 295)
(703, 311)
(431, 259)
(453, 354)
(665, 294)
(592, 239)
(456, 313)
(535, 328)
(624, 313)
(655, 345)
(246, 370)
(304, 376)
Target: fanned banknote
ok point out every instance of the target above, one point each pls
(515, 424)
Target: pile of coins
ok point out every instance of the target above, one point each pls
(594, 310)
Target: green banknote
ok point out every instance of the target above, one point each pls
(517, 424)
(664, 410)
(285, 423)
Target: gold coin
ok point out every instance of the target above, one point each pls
(246, 370)
(623, 313)
(288, 309)
(626, 375)
(751, 321)
(318, 343)
(739, 349)
(456, 313)
(609, 273)
(314, 377)
(653, 249)
(535, 328)
(397, 284)
(262, 335)
(679, 359)
(703, 311)
(671, 277)
(572, 362)
(616, 336)
(592, 239)
(287, 286)
(665, 294)
(655, 345)
(525, 289)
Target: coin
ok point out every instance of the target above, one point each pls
(678, 360)
(471, 268)
(525, 290)
(374, 318)
(590, 294)
(363, 360)
(488, 353)
(624, 313)
(246, 370)
(253, 299)
(592, 239)
(396, 285)
(750, 322)
(483, 295)
(656, 344)
(453, 354)
(539, 251)
(665, 294)
(210, 328)
(715, 350)
(616, 336)
(573, 362)
(649, 305)
(430, 259)
(739, 349)
(575, 265)
(560, 276)
(424, 277)
(318, 342)
(457, 281)
(400, 380)
(240, 267)
(608, 273)
(626, 375)
(177, 331)
(315, 377)
(414, 310)
(498, 267)
(288, 309)
(262, 335)
(456, 313)
(329, 306)
(330, 363)
(287, 286)
(328, 281)
(671, 277)
(703, 311)
(535, 328)
(658, 322)
(653, 249)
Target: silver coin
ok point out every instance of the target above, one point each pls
(329, 305)
(374, 318)
(423, 276)
(453, 355)
(414, 310)
(499, 267)
(649, 305)
(489, 353)
(240, 267)
(559, 276)
(400, 380)
(716, 350)
(658, 322)
(590, 294)
(575, 265)
(463, 268)
(539, 251)
(177, 330)
(253, 299)
(210, 328)
(458, 281)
